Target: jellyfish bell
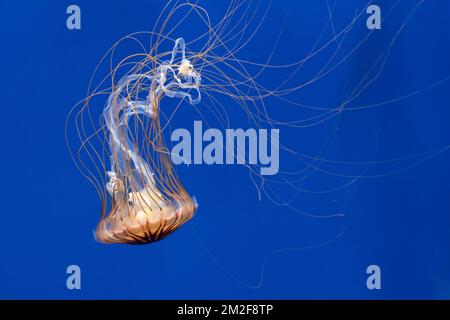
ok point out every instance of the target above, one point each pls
(148, 200)
(145, 220)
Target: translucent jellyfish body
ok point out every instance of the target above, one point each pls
(148, 200)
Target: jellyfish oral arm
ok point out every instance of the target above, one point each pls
(145, 207)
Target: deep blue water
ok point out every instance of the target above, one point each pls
(398, 219)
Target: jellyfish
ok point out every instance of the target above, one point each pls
(126, 158)
(148, 200)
